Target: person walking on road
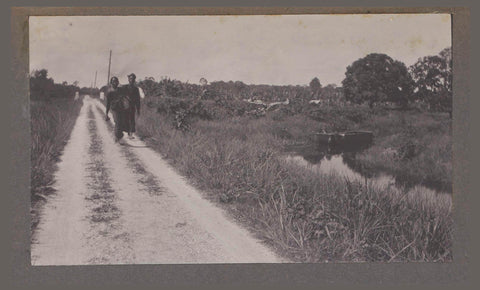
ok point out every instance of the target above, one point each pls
(118, 102)
(133, 94)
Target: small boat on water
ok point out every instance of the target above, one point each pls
(349, 138)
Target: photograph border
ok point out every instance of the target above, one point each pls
(18, 199)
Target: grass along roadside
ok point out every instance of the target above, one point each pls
(51, 122)
(305, 216)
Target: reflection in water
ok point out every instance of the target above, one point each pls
(350, 160)
(346, 165)
(335, 164)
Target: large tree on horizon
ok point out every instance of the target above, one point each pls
(433, 80)
(377, 78)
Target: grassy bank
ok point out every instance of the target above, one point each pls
(415, 147)
(305, 216)
(52, 121)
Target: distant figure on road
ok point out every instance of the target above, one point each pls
(118, 101)
(133, 94)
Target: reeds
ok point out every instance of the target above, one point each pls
(305, 216)
(51, 124)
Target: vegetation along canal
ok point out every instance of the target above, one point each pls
(324, 160)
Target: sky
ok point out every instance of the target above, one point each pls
(277, 50)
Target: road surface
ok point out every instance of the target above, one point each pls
(123, 204)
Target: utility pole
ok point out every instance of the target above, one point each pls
(109, 62)
(95, 82)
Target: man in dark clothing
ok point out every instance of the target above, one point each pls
(115, 103)
(133, 94)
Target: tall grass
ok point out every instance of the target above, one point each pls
(303, 215)
(52, 121)
(414, 147)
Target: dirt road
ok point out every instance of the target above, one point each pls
(123, 204)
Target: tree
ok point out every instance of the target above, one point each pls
(331, 94)
(315, 86)
(433, 80)
(40, 85)
(40, 74)
(43, 87)
(203, 81)
(377, 78)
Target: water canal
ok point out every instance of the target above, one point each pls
(345, 164)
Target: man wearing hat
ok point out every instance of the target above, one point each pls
(133, 94)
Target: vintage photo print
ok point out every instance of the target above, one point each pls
(200, 139)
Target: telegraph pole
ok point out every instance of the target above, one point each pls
(109, 62)
(95, 82)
